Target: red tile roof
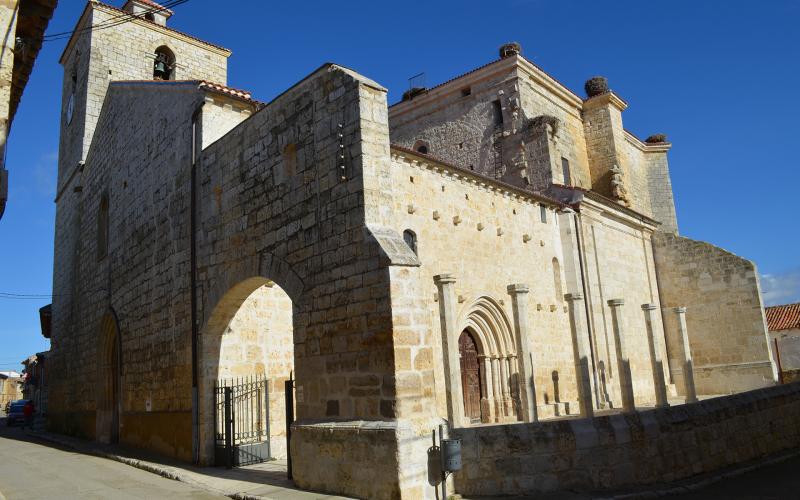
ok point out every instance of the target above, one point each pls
(218, 88)
(230, 91)
(785, 317)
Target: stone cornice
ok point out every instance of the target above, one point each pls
(604, 99)
(659, 147)
(439, 166)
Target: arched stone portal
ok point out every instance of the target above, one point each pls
(249, 334)
(487, 324)
(108, 375)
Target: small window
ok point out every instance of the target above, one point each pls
(497, 112)
(411, 240)
(543, 213)
(565, 171)
(421, 147)
(102, 228)
(150, 17)
(466, 91)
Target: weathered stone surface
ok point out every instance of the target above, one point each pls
(680, 442)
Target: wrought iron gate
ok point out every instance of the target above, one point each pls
(241, 421)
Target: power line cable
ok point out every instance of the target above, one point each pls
(113, 21)
(124, 16)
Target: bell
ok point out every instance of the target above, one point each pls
(160, 70)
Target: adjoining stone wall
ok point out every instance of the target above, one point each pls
(8, 26)
(650, 184)
(724, 315)
(788, 349)
(618, 264)
(275, 203)
(629, 450)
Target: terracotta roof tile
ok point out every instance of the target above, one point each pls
(785, 317)
(218, 88)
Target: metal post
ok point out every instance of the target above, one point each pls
(228, 429)
(289, 388)
(778, 359)
(444, 474)
(266, 419)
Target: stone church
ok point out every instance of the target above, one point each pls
(492, 251)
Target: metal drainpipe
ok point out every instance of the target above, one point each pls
(193, 286)
(584, 287)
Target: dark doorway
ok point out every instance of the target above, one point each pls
(470, 376)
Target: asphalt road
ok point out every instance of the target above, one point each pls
(34, 470)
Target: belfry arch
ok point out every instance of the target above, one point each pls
(485, 321)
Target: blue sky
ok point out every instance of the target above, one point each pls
(718, 77)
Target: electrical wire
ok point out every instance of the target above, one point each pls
(117, 19)
(113, 21)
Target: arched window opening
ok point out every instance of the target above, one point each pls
(559, 289)
(421, 147)
(102, 228)
(411, 240)
(150, 17)
(164, 64)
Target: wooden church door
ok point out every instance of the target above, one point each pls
(470, 376)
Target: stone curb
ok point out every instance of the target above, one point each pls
(152, 467)
(702, 483)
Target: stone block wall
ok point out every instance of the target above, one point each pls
(618, 263)
(97, 57)
(724, 315)
(462, 128)
(629, 450)
(276, 202)
(8, 25)
(650, 184)
(487, 237)
(142, 166)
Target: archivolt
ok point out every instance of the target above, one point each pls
(488, 322)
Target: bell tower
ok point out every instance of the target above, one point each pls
(131, 43)
(107, 44)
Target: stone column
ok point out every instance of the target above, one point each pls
(688, 367)
(486, 365)
(504, 375)
(452, 367)
(527, 389)
(581, 354)
(623, 359)
(498, 394)
(656, 363)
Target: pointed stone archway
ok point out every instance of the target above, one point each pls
(109, 362)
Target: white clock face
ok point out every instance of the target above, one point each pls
(70, 108)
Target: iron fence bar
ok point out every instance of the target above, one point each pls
(228, 429)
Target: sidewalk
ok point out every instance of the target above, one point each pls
(265, 481)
